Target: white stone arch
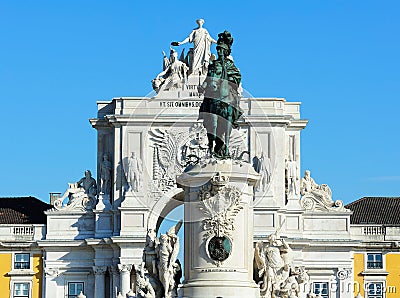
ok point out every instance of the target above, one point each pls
(168, 202)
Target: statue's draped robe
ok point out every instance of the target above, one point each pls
(201, 40)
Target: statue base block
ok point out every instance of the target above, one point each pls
(219, 229)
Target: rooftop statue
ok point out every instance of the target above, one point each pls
(81, 195)
(173, 76)
(200, 55)
(318, 197)
(220, 108)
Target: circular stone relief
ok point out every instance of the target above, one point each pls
(219, 248)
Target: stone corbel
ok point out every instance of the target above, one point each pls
(51, 272)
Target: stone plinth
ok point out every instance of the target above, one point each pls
(219, 229)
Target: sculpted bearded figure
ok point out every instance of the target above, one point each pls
(88, 184)
(263, 167)
(105, 175)
(292, 177)
(221, 105)
(173, 77)
(134, 173)
(275, 272)
(321, 192)
(160, 266)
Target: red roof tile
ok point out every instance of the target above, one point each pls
(23, 210)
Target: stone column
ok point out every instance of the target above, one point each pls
(125, 271)
(219, 230)
(99, 282)
(115, 284)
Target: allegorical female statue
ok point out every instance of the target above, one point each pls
(220, 108)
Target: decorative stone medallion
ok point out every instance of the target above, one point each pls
(219, 248)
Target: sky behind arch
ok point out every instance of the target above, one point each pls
(339, 58)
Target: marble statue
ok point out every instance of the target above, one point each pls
(134, 173)
(292, 178)
(144, 288)
(81, 195)
(160, 268)
(150, 254)
(88, 183)
(263, 167)
(167, 253)
(318, 197)
(200, 55)
(220, 108)
(275, 271)
(173, 77)
(105, 175)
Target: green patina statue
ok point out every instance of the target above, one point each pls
(220, 108)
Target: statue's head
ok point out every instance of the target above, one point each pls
(307, 173)
(200, 22)
(224, 44)
(272, 237)
(150, 237)
(223, 50)
(133, 154)
(88, 174)
(105, 157)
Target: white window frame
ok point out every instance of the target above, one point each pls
(374, 253)
(21, 280)
(321, 282)
(21, 283)
(75, 282)
(366, 269)
(366, 289)
(21, 253)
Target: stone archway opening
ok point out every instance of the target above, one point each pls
(171, 212)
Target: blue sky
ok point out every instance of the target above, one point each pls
(339, 58)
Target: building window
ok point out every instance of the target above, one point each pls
(374, 261)
(321, 288)
(74, 288)
(375, 290)
(22, 261)
(21, 290)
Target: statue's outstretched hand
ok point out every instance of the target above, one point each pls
(175, 43)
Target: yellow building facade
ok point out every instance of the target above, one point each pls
(376, 224)
(21, 274)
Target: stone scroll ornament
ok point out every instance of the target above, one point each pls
(220, 203)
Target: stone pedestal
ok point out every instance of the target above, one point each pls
(219, 229)
(133, 215)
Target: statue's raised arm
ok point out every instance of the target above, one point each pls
(200, 56)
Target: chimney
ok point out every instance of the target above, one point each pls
(54, 196)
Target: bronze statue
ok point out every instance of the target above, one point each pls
(221, 105)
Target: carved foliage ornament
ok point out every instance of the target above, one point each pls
(220, 203)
